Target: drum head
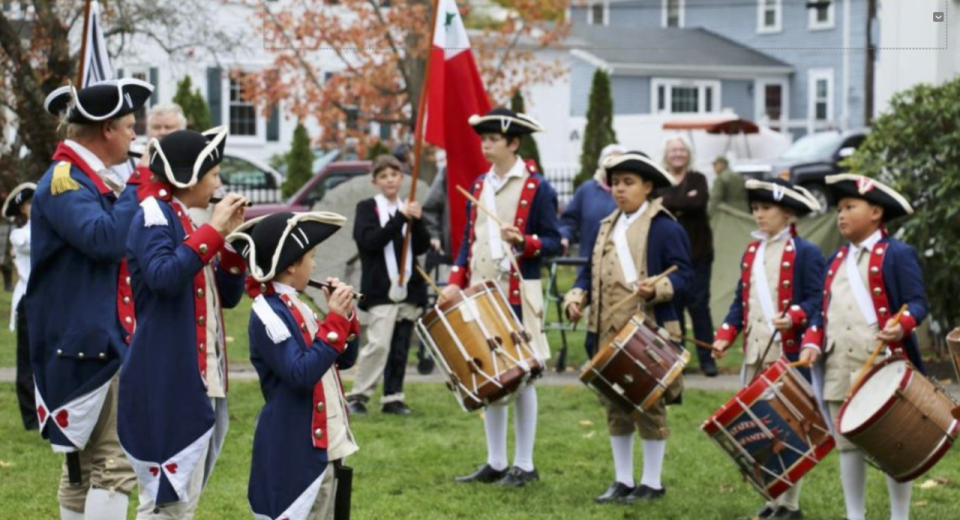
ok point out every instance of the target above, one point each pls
(878, 388)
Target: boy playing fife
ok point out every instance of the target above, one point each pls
(640, 238)
(778, 290)
(302, 434)
(868, 279)
(379, 228)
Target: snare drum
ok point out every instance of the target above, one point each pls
(479, 343)
(953, 346)
(773, 430)
(901, 419)
(635, 368)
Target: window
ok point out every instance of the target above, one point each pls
(597, 13)
(243, 113)
(675, 96)
(821, 95)
(821, 15)
(238, 172)
(673, 13)
(769, 16)
(773, 101)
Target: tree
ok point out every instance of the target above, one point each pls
(599, 130)
(528, 145)
(194, 105)
(382, 49)
(36, 58)
(299, 161)
(915, 147)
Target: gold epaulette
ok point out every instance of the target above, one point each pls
(62, 182)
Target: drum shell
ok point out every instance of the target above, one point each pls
(953, 346)
(508, 335)
(616, 363)
(812, 426)
(911, 431)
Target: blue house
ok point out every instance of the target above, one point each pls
(797, 64)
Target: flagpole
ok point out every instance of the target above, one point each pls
(83, 43)
(418, 138)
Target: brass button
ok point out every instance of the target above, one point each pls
(163, 193)
(200, 292)
(303, 327)
(128, 320)
(128, 280)
(203, 249)
(80, 355)
(234, 270)
(523, 203)
(874, 270)
(332, 337)
(126, 300)
(876, 291)
(289, 303)
(320, 407)
(786, 283)
(318, 433)
(786, 265)
(201, 321)
(102, 355)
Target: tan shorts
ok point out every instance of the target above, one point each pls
(103, 465)
(651, 425)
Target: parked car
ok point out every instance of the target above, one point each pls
(811, 158)
(315, 189)
(250, 177)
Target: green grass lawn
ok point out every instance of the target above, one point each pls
(405, 465)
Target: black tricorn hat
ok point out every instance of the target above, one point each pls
(183, 157)
(19, 195)
(871, 190)
(639, 163)
(782, 193)
(272, 243)
(504, 121)
(100, 102)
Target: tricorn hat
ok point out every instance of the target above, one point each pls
(99, 102)
(272, 243)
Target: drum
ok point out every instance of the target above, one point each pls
(772, 429)
(898, 417)
(479, 343)
(953, 346)
(635, 368)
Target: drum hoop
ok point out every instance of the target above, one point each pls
(466, 355)
(935, 455)
(788, 404)
(902, 385)
(752, 390)
(435, 352)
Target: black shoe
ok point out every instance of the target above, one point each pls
(783, 512)
(766, 512)
(516, 477)
(616, 491)
(358, 408)
(644, 493)
(396, 408)
(484, 474)
(710, 370)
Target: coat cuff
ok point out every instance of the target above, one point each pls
(664, 291)
(232, 262)
(813, 338)
(727, 332)
(531, 246)
(335, 330)
(140, 175)
(798, 317)
(458, 276)
(909, 324)
(575, 295)
(206, 242)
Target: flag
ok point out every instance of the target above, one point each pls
(96, 61)
(455, 93)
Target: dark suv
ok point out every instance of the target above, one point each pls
(811, 158)
(315, 189)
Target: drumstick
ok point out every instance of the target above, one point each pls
(426, 276)
(700, 344)
(649, 281)
(799, 364)
(478, 204)
(873, 356)
(767, 350)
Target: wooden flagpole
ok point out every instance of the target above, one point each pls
(418, 140)
(83, 43)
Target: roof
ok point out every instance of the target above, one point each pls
(622, 49)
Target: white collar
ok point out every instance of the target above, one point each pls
(868, 243)
(283, 288)
(519, 169)
(180, 202)
(88, 157)
(761, 236)
(629, 219)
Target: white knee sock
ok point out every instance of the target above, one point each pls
(899, 498)
(853, 475)
(622, 446)
(495, 424)
(103, 504)
(790, 499)
(69, 514)
(653, 453)
(525, 428)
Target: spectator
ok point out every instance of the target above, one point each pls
(688, 203)
(728, 187)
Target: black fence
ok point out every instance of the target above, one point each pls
(257, 195)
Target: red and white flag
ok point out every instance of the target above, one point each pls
(456, 92)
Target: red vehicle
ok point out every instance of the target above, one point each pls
(315, 189)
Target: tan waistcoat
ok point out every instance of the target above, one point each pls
(759, 333)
